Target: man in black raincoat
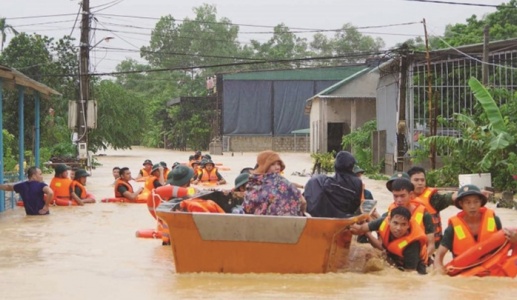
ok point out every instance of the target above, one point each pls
(338, 196)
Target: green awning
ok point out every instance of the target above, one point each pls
(302, 131)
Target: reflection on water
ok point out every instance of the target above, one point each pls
(91, 252)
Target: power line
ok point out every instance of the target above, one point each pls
(41, 16)
(294, 60)
(459, 3)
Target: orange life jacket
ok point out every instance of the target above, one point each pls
(425, 199)
(149, 182)
(200, 205)
(417, 214)
(166, 173)
(463, 238)
(61, 187)
(397, 246)
(209, 177)
(120, 182)
(75, 184)
(144, 172)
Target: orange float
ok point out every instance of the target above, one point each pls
(164, 193)
(489, 257)
(148, 234)
(142, 198)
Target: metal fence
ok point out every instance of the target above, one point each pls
(9, 199)
(450, 89)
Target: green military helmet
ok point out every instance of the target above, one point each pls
(469, 189)
(395, 176)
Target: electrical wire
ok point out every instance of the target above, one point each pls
(472, 57)
(41, 16)
(76, 18)
(113, 4)
(458, 3)
(293, 60)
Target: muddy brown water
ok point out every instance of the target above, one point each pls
(91, 252)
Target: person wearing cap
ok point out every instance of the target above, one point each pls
(402, 190)
(396, 176)
(60, 183)
(123, 189)
(155, 179)
(472, 225)
(241, 182)
(269, 193)
(359, 173)
(209, 174)
(78, 191)
(146, 170)
(338, 196)
(36, 195)
(197, 169)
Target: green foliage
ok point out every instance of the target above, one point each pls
(360, 142)
(486, 143)
(10, 148)
(64, 149)
(502, 25)
(121, 117)
(324, 160)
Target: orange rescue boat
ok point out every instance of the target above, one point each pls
(236, 243)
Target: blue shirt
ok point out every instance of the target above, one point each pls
(32, 195)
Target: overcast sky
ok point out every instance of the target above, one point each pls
(315, 14)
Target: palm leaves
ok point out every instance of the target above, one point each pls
(4, 27)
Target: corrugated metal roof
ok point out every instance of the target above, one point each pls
(348, 79)
(328, 73)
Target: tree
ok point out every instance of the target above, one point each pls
(349, 43)
(121, 117)
(4, 27)
(502, 25)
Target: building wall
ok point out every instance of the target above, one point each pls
(291, 143)
(387, 110)
(315, 125)
(363, 87)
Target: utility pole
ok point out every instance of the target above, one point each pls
(84, 78)
(430, 99)
(486, 52)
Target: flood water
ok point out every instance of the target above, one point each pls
(91, 252)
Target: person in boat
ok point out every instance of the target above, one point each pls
(180, 177)
(155, 179)
(209, 174)
(247, 170)
(197, 170)
(338, 196)
(146, 170)
(237, 199)
(402, 190)
(401, 237)
(124, 189)
(472, 225)
(359, 173)
(78, 191)
(269, 193)
(36, 195)
(60, 183)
